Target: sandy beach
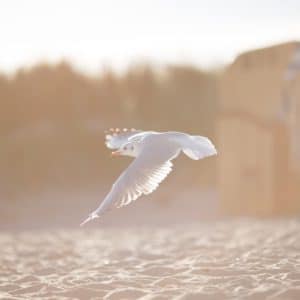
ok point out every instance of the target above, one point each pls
(241, 259)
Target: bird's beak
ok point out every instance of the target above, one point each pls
(116, 153)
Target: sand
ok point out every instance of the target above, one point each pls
(241, 259)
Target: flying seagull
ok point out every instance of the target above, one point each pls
(153, 152)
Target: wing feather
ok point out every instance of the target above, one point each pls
(142, 176)
(145, 183)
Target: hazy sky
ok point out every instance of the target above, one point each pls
(92, 34)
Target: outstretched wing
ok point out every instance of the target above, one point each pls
(115, 137)
(142, 176)
(143, 180)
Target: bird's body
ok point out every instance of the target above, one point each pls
(153, 152)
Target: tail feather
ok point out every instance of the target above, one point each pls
(199, 147)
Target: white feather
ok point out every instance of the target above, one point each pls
(151, 166)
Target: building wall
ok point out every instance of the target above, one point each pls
(246, 169)
(254, 135)
(253, 83)
(294, 136)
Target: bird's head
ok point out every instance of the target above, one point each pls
(128, 149)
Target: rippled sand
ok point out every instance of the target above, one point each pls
(227, 260)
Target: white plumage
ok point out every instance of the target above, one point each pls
(153, 152)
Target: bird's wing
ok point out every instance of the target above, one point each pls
(142, 176)
(144, 181)
(115, 137)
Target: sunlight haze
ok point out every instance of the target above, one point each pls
(93, 34)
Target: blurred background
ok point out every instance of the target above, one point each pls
(70, 70)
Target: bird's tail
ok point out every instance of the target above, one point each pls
(197, 147)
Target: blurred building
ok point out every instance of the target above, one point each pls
(259, 133)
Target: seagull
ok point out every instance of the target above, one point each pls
(153, 152)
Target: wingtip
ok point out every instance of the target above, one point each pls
(215, 151)
(88, 219)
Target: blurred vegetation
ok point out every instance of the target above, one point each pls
(53, 118)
